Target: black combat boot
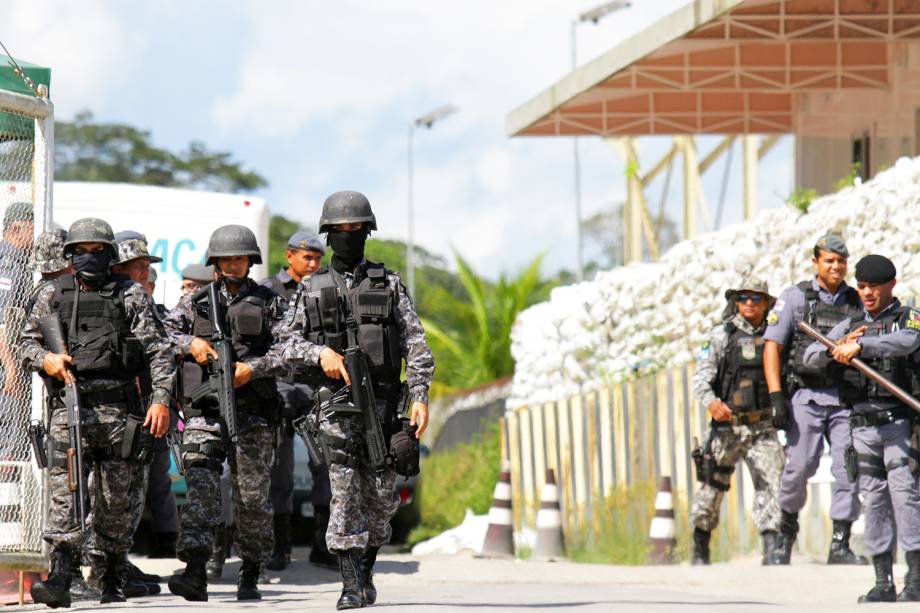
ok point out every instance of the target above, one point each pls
(701, 547)
(55, 590)
(80, 588)
(192, 583)
(352, 584)
(112, 581)
(247, 587)
(367, 569)
(769, 538)
(319, 553)
(281, 554)
(788, 531)
(215, 565)
(911, 591)
(840, 552)
(137, 582)
(884, 581)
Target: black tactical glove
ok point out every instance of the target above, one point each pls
(780, 417)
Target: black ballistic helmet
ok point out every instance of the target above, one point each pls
(90, 230)
(346, 207)
(227, 241)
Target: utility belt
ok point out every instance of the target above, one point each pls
(880, 418)
(248, 404)
(746, 418)
(125, 392)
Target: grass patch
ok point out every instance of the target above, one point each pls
(460, 478)
(618, 530)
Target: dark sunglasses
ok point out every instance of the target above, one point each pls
(754, 298)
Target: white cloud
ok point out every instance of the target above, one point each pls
(84, 43)
(363, 69)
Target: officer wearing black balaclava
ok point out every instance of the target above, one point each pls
(364, 302)
(111, 334)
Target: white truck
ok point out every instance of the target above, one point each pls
(177, 222)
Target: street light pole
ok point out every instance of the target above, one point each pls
(594, 16)
(410, 244)
(423, 121)
(579, 241)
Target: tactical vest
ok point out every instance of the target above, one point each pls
(856, 387)
(740, 379)
(98, 333)
(278, 287)
(330, 308)
(251, 336)
(822, 317)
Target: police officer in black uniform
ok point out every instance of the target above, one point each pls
(304, 255)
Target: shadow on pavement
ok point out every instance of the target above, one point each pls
(563, 605)
(397, 568)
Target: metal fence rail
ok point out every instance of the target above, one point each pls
(26, 172)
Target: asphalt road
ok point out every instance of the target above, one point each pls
(464, 583)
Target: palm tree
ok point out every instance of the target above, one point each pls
(472, 342)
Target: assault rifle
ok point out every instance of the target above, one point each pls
(864, 368)
(362, 396)
(220, 381)
(53, 333)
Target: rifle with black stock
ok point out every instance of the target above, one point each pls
(220, 381)
(53, 333)
(865, 369)
(362, 395)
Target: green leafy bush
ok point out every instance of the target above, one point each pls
(460, 478)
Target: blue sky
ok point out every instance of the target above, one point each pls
(317, 96)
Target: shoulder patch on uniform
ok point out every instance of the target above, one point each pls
(913, 319)
(704, 351)
(778, 307)
(772, 318)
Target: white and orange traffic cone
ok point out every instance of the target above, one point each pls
(661, 532)
(499, 539)
(550, 538)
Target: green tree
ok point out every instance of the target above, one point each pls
(471, 337)
(85, 150)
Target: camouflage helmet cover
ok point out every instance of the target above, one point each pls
(346, 207)
(48, 251)
(231, 240)
(90, 230)
(133, 249)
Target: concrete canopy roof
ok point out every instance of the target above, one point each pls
(725, 66)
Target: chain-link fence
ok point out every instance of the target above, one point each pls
(25, 188)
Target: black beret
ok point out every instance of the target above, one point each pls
(875, 269)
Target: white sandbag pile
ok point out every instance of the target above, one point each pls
(639, 318)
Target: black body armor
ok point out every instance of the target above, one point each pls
(251, 337)
(330, 307)
(740, 380)
(822, 317)
(97, 330)
(856, 387)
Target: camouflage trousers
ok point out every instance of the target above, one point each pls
(363, 500)
(759, 446)
(250, 462)
(113, 488)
